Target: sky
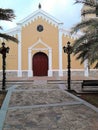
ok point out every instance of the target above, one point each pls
(64, 10)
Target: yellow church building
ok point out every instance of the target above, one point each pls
(40, 49)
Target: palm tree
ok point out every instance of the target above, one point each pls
(7, 15)
(86, 46)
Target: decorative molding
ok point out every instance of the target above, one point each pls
(50, 63)
(30, 74)
(30, 49)
(39, 14)
(60, 52)
(53, 70)
(13, 31)
(39, 42)
(19, 55)
(68, 33)
(42, 49)
(45, 16)
(76, 69)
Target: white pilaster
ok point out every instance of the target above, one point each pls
(50, 73)
(86, 69)
(29, 63)
(60, 52)
(19, 54)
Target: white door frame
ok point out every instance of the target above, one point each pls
(30, 52)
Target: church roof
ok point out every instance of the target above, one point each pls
(34, 16)
(39, 14)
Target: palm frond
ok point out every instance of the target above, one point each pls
(82, 56)
(1, 28)
(7, 37)
(79, 41)
(93, 52)
(86, 46)
(84, 24)
(87, 50)
(90, 11)
(90, 3)
(6, 14)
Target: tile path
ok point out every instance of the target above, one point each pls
(42, 106)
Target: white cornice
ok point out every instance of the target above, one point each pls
(68, 33)
(39, 14)
(39, 42)
(13, 31)
(34, 16)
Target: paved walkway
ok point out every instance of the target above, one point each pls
(42, 106)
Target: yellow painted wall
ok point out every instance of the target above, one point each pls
(49, 36)
(11, 57)
(75, 64)
(29, 36)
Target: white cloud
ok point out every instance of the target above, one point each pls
(7, 24)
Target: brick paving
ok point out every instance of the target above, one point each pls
(42, 106)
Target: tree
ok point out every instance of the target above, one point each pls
(7, 15)
(86, 46)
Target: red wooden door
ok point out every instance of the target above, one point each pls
(40, 64)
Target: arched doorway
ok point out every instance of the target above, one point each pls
(40, 64)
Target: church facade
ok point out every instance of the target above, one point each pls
(40, 49)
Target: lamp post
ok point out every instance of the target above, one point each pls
(68, 50)
(3, 51)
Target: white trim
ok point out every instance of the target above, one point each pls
(67, 33)
(74, 69)
(42, 49)
(19, 55)
(60, 52)
(77, 69)
(86, 69)
(10, 70)
(32, 48)
(45, 16)
(50, 63)
(13, 31)
(58, 70)
(52, 70)
(30, 73)
(39, 42)
(39, 14)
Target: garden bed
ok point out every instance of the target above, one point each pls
(91, 97)
(2, 97)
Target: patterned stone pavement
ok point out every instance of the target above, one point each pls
(42, 106)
